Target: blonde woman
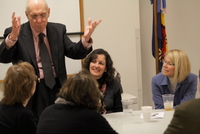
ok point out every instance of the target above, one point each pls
(175, 78)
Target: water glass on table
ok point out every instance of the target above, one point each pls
(127, 106)
(168, 100)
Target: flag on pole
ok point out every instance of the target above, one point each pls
(161, 32)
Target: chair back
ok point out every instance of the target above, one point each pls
(118, 78)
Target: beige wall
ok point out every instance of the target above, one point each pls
(183, 31)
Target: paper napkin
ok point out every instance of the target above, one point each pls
(156, 115)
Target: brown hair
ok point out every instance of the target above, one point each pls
(18, 83)
(82, 90)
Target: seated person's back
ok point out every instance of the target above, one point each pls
(186, 118)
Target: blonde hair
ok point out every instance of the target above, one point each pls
(182, 66)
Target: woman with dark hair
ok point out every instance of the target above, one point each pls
(100, 65)
(18, 87)
(76, 109)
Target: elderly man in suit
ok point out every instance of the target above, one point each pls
(22, 42)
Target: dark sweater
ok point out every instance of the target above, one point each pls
(69, 119)
(16, 119)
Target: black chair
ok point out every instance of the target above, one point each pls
(118, 78)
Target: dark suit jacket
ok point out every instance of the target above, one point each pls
(60, 45)
(186, 118)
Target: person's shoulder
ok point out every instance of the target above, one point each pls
(114, 86)
(92, 114)
(55, 24)
(26, 113)
(191, 75)
(189, 105)
(159, 76)
(58, 27)
(50, 107)
(114, 83)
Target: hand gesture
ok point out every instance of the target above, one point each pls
(16, 24)
(90, 28)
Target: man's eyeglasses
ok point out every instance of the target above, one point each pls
(36, 17)
(170, 64)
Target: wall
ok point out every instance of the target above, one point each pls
(60, 11)
(183, 31)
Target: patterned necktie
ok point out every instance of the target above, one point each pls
(46, 63)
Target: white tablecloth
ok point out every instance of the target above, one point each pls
(135, 125)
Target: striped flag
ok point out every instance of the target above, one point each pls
(161, 32)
